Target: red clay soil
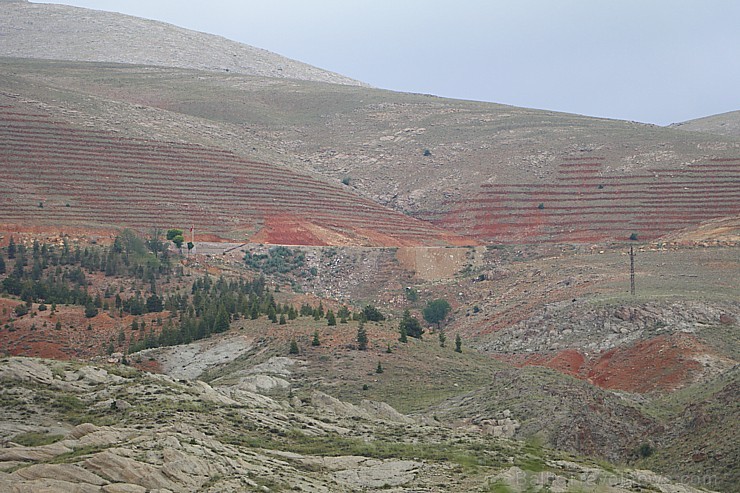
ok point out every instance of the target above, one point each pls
(663, 363)
(36, 335)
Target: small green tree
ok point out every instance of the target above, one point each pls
(172, 233)
(436, 311)
(404, 336)
(293, 347)
(379, 368)
(178, 241)
(361, 338)
(331, 319)
(282, 319)
(442, 338)
(90, 310)
(316, 342)
(458, 344)
(11, 248)
(222, 320)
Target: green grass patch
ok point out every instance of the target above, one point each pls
(36, 439)
(468, 456)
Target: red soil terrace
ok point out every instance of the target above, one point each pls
(55, 174)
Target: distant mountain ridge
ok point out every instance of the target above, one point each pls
(62, 32)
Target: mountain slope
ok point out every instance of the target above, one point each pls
(490, 172)
(727, 124)
(61, 32)
(99, 179)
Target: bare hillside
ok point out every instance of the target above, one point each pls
(727, 124)
(61, 32)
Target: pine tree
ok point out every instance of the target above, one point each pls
(379, 369)
(404, 337)
(458, 344)
(222, 320)
(442, 338)
(361, 338)
(2, 265)
(316, 342)
(11, 248)
(331, 319)
(282, 319)
(293, 347)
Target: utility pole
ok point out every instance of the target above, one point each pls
(632, 270)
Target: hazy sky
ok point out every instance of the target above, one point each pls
(654, 61)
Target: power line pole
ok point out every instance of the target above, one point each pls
(632, 270)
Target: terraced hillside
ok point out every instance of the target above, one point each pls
(587, 204)
(492, 173)
(56, 174)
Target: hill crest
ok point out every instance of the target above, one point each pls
(80, 34)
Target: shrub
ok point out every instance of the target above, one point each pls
(633, 237)
(91, 311)
(410, 326)
(21, 310)
(645, 450)
(412, 294)
(372, 314)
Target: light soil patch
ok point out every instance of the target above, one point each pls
(433, 263)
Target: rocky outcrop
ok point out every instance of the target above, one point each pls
(600, 328)
(184, 436)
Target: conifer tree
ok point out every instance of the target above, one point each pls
(458, 344)
(361, 337)
(316, 342)
(11, 248)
